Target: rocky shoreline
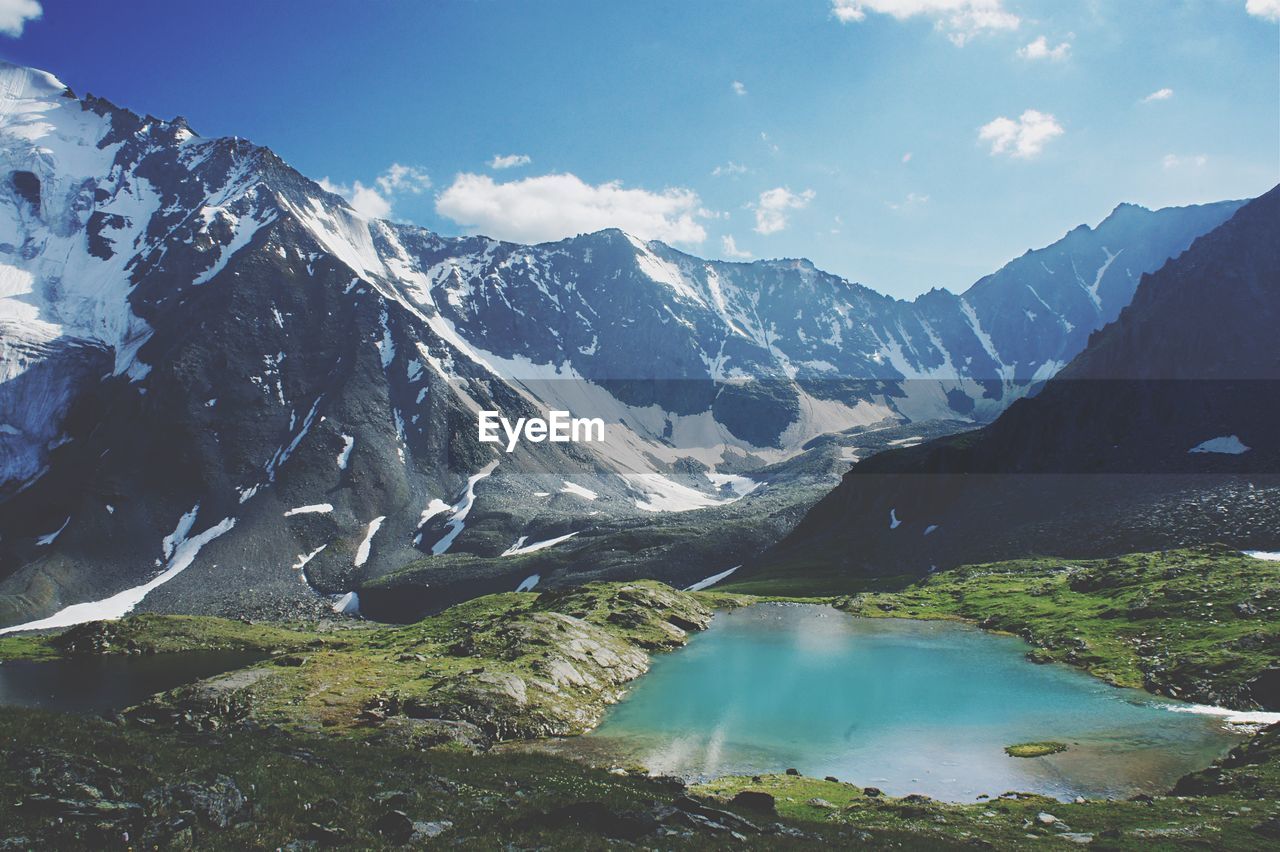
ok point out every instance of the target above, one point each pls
(514, 666)
(376, 736)
(1196, 624)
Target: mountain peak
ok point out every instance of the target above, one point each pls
(1125, 212)
(266, 329)
(19, 82)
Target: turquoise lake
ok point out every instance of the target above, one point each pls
(906, 706)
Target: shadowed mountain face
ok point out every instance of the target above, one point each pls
(1162, 432)
(222, 390)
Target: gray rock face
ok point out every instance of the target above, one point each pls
(585, 669)
(1160, 434)
(206, 705)
(218, 803)
(433, 733)
(211, 341)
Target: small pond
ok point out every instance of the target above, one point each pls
(907, 706)
(106, 684)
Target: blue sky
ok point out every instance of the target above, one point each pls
(901, 143)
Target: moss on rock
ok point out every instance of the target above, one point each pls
(1039, 749)
(1199, 624)
(514, 666)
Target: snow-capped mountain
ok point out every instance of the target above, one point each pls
(222, 389)
(1161, 433)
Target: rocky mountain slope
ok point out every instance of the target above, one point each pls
(1161, 433)
(222, 390)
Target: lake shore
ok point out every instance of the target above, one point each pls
(315, 700)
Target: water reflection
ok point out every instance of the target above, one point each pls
(908, 706)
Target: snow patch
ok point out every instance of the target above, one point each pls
(362, 552)
(739, 485)
(386, 346)
(184, 552)
(304, 558)
(659, 494)
(241, 235)
(314, 509)
(576, 490)
(179, 534)
(282, 455)
(53, 536)
(344, 457)
(712, 580)
(457, 520)
(301, 563)
(1228, 716)
(348, 604)
(528, 583)
(520, 547)
(659, 270)
(1226, 445)
(894, 523)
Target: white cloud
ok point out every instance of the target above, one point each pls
(403, 179)
(1191, 161)
(774, 205)
(729, 248)
(769, 143)
(365, 200)
(960, 19)
(1040, 49)
(739, 87)
(913, 200)
(906, 158)
(1267, 9)
(1162, 94)
(509, 161)
(554, 206)
(1024, 138)
(376, 201)
(14, 15)
(730, 168)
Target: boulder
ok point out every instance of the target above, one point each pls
(395, 826)
(434, 733)
(756, 800)
(217, 803)
(63, 775)
(599, 818)
(429, 829)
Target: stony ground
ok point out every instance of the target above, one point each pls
(510, 666)
(77, 784)
(380, 737)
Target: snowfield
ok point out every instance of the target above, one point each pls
(182, 551)
(1226, 445)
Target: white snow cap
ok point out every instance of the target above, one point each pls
(21, 83)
